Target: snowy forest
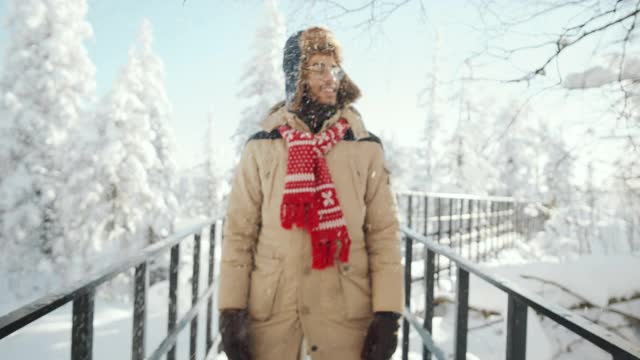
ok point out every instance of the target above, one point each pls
(89, 176)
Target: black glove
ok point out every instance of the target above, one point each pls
(234, 329)
(382, 336)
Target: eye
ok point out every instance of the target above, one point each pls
(317, 67)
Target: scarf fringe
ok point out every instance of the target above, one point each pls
(302, 215)
(324, 248)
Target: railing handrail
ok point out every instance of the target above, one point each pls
(435, 195)
(603, 338)
(577, 324)
(458, 196)
(46, 304)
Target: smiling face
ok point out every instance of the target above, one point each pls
(323, 78)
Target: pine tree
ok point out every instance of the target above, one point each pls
(201, 183)
(163, 176)
(129, 197)
(263, 78)
(46, 86)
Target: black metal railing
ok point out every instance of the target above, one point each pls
(451, 226)
(473, 226)
(82, 295)
(502, 220)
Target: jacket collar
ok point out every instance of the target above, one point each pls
(281, 116)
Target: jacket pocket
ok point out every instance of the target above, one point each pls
(356, 290)
(265, 279)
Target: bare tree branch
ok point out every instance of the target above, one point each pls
(625, 42)
(562, 43)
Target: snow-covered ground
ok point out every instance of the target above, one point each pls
(586, 285)
(50, 336)
(588, 280)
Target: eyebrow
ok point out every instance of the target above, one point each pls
(320, 62)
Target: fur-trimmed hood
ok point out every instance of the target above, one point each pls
(300, 47)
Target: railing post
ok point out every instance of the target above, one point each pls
(425, 228)
(492, 229)
(408, 259)
(506, 220)
(439, 237)
(516, 329)
(499, 229)
(429, 306)
(82, 328)
(507, 224)
(195, 280)
(510, 225)
(460, 227)
(518, 221)
(462, 315)
(141, 283)
(429, 278)
(482, 226)
(516, 206)
(470, 228)
(420, 221)
(173, 295)
(450, 234)
(478, 226)
(212, 255)
(528, 227)
(487, 230)
(514, 222)
(410, 212)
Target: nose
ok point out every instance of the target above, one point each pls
(329, 76)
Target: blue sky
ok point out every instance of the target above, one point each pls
(205, 46)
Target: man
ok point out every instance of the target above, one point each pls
(311, 242)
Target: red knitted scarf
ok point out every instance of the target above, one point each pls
(310, 199)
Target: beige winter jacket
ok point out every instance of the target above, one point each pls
(267, 268)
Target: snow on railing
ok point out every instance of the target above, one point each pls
(82, 295)
(453, 232)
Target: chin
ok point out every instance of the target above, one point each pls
(328, 101)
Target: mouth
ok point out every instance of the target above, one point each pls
(328, 90)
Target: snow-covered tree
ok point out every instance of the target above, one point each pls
(153, 96)
(558, 169)
(517, 153)
(202, 181)
(397, 161)
(463, 164)
(263, 78)
(46, 85)
(212, 173)
(127, 198)
(604, 214)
